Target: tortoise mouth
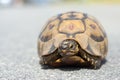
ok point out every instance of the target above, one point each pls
(68, 53)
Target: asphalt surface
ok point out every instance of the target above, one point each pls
(19, 30)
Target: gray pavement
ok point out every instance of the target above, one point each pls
(19, 30)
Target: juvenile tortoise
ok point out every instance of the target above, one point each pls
(73, 38)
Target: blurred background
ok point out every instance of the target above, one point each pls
(41, 2)
(21, 22)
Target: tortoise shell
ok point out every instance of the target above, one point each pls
(83, 28)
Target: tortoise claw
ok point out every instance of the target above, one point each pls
(96, 64)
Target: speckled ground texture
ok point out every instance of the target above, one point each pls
(19, 30)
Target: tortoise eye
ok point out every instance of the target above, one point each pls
(72, 46)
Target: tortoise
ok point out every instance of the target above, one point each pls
(73, 39)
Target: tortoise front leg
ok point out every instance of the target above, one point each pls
(94, 62)
(51, 59)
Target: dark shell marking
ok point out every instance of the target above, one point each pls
(93, 26)
(46, 38)
(95, 21)
(72, 16)
(51, 26)
(97, 38)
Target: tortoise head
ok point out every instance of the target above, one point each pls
(68, 47)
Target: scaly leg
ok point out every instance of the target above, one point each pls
(96, 64)
(50, 59)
